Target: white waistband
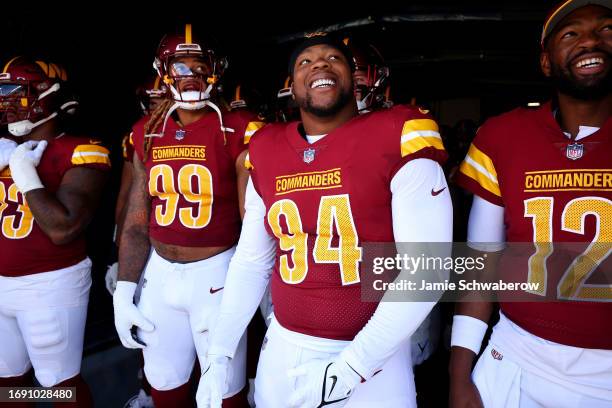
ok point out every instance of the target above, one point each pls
(214, 261)
(310, 342)
(587, 371)
(48, 276)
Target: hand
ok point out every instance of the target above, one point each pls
(213, 382)
(7, 146)
(325, 383)
(111, 278)
(23, 162)
(127, 315)
(464, 394)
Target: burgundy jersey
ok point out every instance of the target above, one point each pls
(551, 192)
(323, 200)
(192, 179)
(25, 247)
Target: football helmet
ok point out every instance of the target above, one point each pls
(149, 93)
(28, 96)
(371, 75)
(287, 109)
(238, 101)
(69, 104)
(172, 71)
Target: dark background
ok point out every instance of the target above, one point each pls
(468, 59)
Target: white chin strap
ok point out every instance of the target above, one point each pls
(25, 127)
(191, 100)
(362, 107)
(179, 105)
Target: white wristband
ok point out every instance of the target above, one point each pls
(468, 332)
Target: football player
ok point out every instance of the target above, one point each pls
(318, 190)
(50, 184)
(529, 171)
(184, 205)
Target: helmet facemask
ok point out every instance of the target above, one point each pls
(26, 104)
(372, 92)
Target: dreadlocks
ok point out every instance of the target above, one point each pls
(155, 121)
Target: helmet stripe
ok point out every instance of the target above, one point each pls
(156, 83)
(237, 96)
(188, 33)
(8, 64)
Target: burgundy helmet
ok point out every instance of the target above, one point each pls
(170, 71)
(368, 59)
(28, 96)
(152, 90)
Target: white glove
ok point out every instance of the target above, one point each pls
(7, 146)
(23, 162)
(324, 383)
(111, 278)
(213, 382)
(127, 315)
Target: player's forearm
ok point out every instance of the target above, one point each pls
(133, 252)
(135, 244)
(389, 328)
(462, 356)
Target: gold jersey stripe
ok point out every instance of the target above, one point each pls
(484, 162)
(91, 148)
(421, 142)
(419, 124)
(485, 182)
(90, 158)
(251, 128)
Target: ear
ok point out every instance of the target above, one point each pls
(545, 63)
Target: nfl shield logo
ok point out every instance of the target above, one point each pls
(309, 155)
(180, 134)
(574, 151)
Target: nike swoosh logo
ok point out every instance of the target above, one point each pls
(333, 377)
(335, 380)
(422, 348)
(435, 193)
(213, 291)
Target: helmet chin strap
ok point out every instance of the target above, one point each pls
(179, 105)
(25, 127)
(191, 100)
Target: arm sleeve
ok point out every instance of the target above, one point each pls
(419, 215)
(486, 230)
(247, 278)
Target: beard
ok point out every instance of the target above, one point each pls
(590, 89)
(307, 104)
